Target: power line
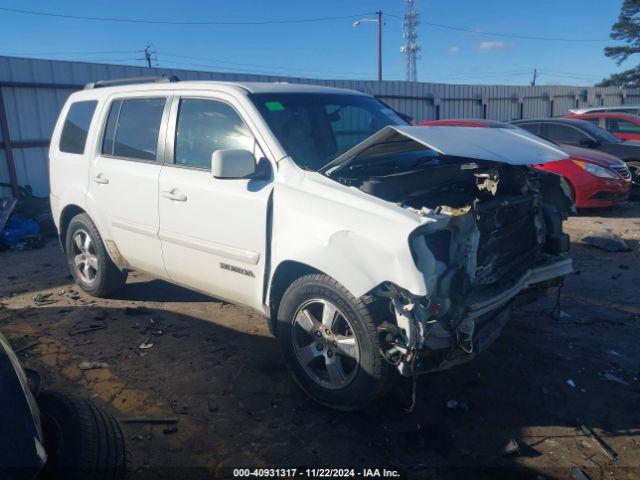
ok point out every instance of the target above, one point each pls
(173, 22)
(508, 35)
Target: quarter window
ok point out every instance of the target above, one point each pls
(76, 127)
(205, 126)
(133, 127)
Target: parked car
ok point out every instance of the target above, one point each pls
(374, 248)
(58, 436)
(581, 133)
(632, 109)
(597, 179)
(623, 125)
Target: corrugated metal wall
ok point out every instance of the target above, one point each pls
(35, 90)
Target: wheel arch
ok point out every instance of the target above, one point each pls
(67, 214)
(284, 275)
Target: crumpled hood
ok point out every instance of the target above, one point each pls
(502, 145)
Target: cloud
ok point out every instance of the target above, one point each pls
(495, 45)
(455, 49)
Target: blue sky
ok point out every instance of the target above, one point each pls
(329, 49)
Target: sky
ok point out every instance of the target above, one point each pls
(329, 48)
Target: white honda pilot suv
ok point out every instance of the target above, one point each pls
(374, 248)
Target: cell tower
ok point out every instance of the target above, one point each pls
(411, 47)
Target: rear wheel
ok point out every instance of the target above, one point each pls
(330, 343)
(82, 441)
(90, 264)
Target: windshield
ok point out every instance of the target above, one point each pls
(598, 133)
(316, 128)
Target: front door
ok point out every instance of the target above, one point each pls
(213, 231)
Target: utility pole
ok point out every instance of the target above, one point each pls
(379, 14)
(378, 20)
(411, 47)
(148, 55)
(535, 75)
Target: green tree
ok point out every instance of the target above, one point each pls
(627, 30)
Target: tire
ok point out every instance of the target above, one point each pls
(356, 378)
(82, 441)
(103, 277)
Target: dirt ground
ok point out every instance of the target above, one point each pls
(217, 369)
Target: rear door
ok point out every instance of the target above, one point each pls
(123, 192)
(213, 231)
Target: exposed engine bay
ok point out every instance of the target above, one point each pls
(496, 230)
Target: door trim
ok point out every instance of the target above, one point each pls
(226, 251)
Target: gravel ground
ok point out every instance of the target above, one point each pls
(217, 369)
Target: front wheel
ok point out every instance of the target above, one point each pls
(330, 343)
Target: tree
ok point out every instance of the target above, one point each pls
(626, 29)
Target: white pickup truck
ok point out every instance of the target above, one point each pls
(374, 248)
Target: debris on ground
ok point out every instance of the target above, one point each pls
(91, 328)
(606, 240)
(578, 474)
(614, 378)
(43, 299)
(146, 344)
(571, 383)
(452, 404)
(159, 420)
(589, 432)
(511, 448)
(6, 209)
(137, 310)
(170, 430)
(92, 365)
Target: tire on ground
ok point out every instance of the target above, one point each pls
(82, 441)
(109, 278)
(373, 373)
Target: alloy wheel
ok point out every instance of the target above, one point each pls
(85, 259)
(325, 344)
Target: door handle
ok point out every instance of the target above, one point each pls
(171, 195)
(100, 179)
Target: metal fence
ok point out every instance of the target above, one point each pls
(32, 93)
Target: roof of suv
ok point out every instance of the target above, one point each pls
(248, 87)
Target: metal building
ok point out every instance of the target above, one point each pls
(32, 93)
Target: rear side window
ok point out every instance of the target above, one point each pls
(530, 127)
(562, 133)
(76, 127)
(132, 128)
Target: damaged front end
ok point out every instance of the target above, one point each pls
(492, 231)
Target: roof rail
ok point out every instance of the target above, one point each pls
(131, 80)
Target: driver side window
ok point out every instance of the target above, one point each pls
(205, 126)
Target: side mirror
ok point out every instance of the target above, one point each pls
(587, 143)
(232, 163)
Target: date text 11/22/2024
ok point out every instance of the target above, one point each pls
(316, 473)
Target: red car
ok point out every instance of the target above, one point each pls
(597, 179)
(622, 125)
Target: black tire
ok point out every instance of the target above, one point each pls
(364, 315)
(82, 441)
(108, 278)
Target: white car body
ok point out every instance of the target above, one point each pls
(230, 237)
